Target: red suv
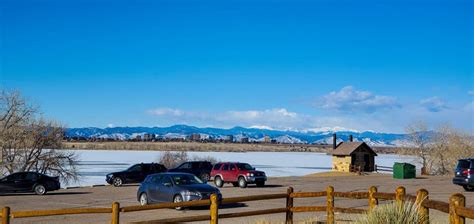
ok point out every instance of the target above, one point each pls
(239, 174)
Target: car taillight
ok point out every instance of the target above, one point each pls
(467, 172)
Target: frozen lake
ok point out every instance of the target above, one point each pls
(95, 164)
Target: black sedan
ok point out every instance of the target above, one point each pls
(29, 182)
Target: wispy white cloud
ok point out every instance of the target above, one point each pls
(433, 104)
(470, 92)
(348, 99)
(165, 111)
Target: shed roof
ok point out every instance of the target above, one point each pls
(347, 148)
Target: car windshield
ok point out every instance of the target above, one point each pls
(185, 179)
(244, 166)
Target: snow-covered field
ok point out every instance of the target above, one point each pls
(95, 164)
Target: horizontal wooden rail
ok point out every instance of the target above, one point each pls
(252, 213)
(437, 205)
(195, 218)
(208, 217)
(465, 212)
(135, 208)
(350, 210)
(384, 196)
(253, 198)
(352, 195)
(69, 211)
(308, 194)
(309, 209)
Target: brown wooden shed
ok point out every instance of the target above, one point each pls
(353, 154)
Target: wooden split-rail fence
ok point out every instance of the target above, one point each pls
(455, 208)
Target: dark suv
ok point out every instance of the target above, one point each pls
(464, 174)
(201, 169)
(134, 174)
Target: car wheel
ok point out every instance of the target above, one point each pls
(178, 199)
(242, 182)
(468, 188)
(235, 184)
(204, 177)
(117, 182)
(218, 181)
(260, 183)
(40, 189)
(143, 199)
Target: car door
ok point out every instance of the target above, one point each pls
(17, 182)
(8, 183)
(154, 188)
(225, 172)
(167, 190)
(233, 172)
(134, 174)
(29, 181)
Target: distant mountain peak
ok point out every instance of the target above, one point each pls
(321, 135)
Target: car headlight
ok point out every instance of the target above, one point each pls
(191, 193)
(250, 174)
(109, 175)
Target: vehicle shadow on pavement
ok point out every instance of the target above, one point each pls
(48, 194)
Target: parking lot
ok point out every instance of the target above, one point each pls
(440, 188)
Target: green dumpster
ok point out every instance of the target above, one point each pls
(404, 171)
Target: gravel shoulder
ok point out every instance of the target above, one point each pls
(440, 188)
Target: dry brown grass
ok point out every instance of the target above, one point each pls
(195, 146)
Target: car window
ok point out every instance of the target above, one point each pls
(165, 180)
(185, 179)
(217, 166)
(16, 176)
(232, 167)
(244, 166)
(185, 166)
(226, 167)
(135, 168)
(156, 179)
(146, 167)
(196, 165)
(31, 176)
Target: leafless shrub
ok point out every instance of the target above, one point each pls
(29, 143)
(173, 159)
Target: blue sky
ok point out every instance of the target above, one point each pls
(364, 65)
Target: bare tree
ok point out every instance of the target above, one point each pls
(30, 143)
(417, 135)
(448, 146)
(440, 150)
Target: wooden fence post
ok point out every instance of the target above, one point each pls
(289, 206)
(214, 210)
(400, 195)
(422, 196)
(456, 200)
(6, 215)
(373, 201)
(115, 213)
(330, 205)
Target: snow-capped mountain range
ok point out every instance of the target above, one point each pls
(316, 136)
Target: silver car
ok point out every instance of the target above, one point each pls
(174, 187)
